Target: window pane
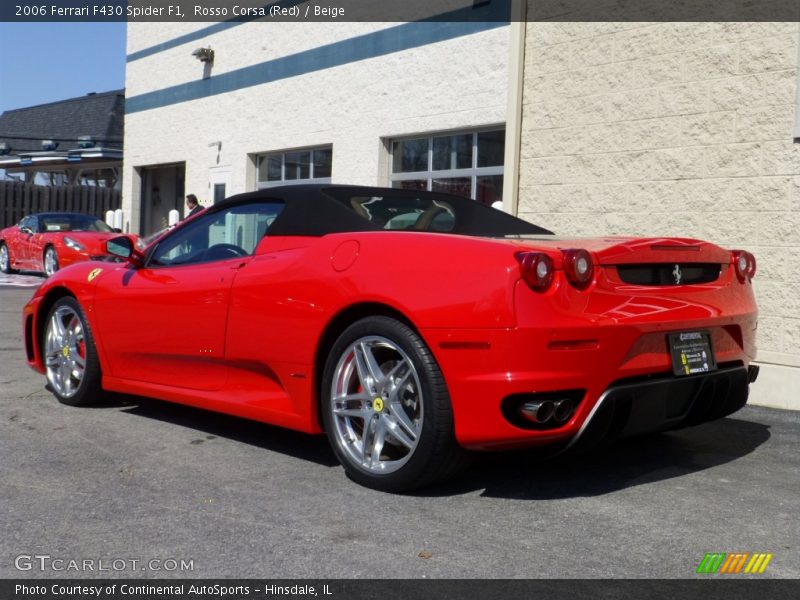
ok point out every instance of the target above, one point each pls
(322, 163)
(269, 168)
(489, 189)
(219, 192)
(273, 168)
(410, 156)
(460, 186)
(298, 165)
(229, 234)
(452, 152)
(411, 184)
(491, 148)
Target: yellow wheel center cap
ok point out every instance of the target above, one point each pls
(377, 404)
(65, 351)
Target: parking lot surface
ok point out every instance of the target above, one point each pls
(137, 479)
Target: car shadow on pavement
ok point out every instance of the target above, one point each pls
(312, 448)
(533, 475)
(526, 474)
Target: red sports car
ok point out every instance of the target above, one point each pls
(409, 326)
(45, 242)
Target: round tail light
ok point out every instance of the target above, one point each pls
(536, 269)
(578, 267)
(745, 264)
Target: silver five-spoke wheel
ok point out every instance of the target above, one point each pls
(377, 404)
(65, 351)
(386, 408)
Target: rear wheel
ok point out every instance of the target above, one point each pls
(70, 355)
(5, 259)
(50, 261)
(386, 408)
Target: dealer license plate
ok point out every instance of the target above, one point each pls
(691, 353)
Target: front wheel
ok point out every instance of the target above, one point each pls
(50, 261)
(70, 355)
(5, 260)
(386, 409)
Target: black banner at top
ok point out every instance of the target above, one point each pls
(397, 10)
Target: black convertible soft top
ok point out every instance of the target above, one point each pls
(319, 209)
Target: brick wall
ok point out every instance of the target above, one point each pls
(679, 129)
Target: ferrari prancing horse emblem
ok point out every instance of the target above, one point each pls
(94, 273)
(676, 273)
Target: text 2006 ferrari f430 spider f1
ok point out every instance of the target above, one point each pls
(410, 327)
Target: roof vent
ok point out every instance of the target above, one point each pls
(49, 145)
(5, 149)
(86, 141)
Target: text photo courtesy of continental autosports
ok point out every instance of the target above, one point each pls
(495, 291)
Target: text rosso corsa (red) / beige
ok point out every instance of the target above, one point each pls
(268, 11)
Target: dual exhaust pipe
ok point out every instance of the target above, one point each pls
(543, 411)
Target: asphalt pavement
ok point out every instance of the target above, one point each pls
(135, 484)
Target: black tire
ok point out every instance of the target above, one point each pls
(436, 455)
(66, 387)
(5, 266)
(50, 251)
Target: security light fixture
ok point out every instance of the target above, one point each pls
(205, 55)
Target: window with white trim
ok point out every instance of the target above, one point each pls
(468, 163)
(312, 165)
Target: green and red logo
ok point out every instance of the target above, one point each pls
(734, 563)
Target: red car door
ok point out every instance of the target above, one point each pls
(165, 323)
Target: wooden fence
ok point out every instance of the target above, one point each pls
(19, 199)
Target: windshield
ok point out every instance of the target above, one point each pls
(72, 222)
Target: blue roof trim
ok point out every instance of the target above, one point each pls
(371, 45)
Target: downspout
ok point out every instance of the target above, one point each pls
(516, 69)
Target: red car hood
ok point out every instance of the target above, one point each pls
(629, 250)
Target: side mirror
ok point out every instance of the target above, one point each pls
(26, 230)
(117, 230)
(122, 247)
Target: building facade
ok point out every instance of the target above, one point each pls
(410, 104)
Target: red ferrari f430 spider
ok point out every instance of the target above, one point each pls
(411, 327)
(45, 242)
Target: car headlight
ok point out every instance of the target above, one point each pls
(70, 243)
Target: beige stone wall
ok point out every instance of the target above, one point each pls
(672, 129)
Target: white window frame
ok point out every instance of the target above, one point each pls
(473, 172)
(260, 185)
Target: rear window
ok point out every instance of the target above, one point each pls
(406, 212)
(419, 210)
